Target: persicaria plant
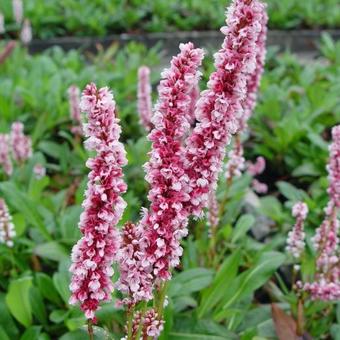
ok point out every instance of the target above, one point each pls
(189, 134)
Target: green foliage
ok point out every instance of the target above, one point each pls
(225, 295)
(100, 18)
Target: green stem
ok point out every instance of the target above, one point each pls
(90, 330)
(162, 295)
(130, 313)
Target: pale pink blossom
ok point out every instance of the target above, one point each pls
(135, 271)
(323, 290)
(256, 168)
(296, 237)
(152, 325)
(194, 95)
(26, 32)
(236, 161)
(75, 114)
(144, 97)
(2, 24)
(253, 82)
(213, 211)
(39, 171)
(259, 187)
(149, 325)
(5, 159)
(326, 240)
(21, 144)
(334, 168)
(18, 11)
(93, 255)
(7, 230)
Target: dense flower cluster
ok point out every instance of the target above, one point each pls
(182, 175)
(165, 223)
(326, 240)
(21, 144)
(7, 231)
(152, 326)
(144, 97)
(147, 325)
(75, 114)
(194, 95)
(296, 237)
(94, 253)
(220, 106)
(135, 278)
(334, 168)
(253, 82)
(5, 159)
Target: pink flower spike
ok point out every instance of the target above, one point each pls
(253, 82)
(26, 32)
(144, 97)
(74, 102)
(296, 237)
(93, 255)
(334, 168)
(5, 159)
(326, 286)
(18, 11)
(165, 223)
(220, 106)
(7, 231)
(21, 144)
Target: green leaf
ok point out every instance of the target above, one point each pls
(3, 334)
(19, 224)
(255, 277)
(47, 289)
(52, 251)
(21, 203)
(59, 315)
(290, 192)
(69, 223)
(36, 187)
(220, 284)
(18, 300)
(189, 281)
(81, 334)
(31, 333)
(6, 319)
(243, 224)
(185, 336)
(61, 282)
(335, 332)
(38, 306)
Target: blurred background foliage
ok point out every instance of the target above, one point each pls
(52, 18)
